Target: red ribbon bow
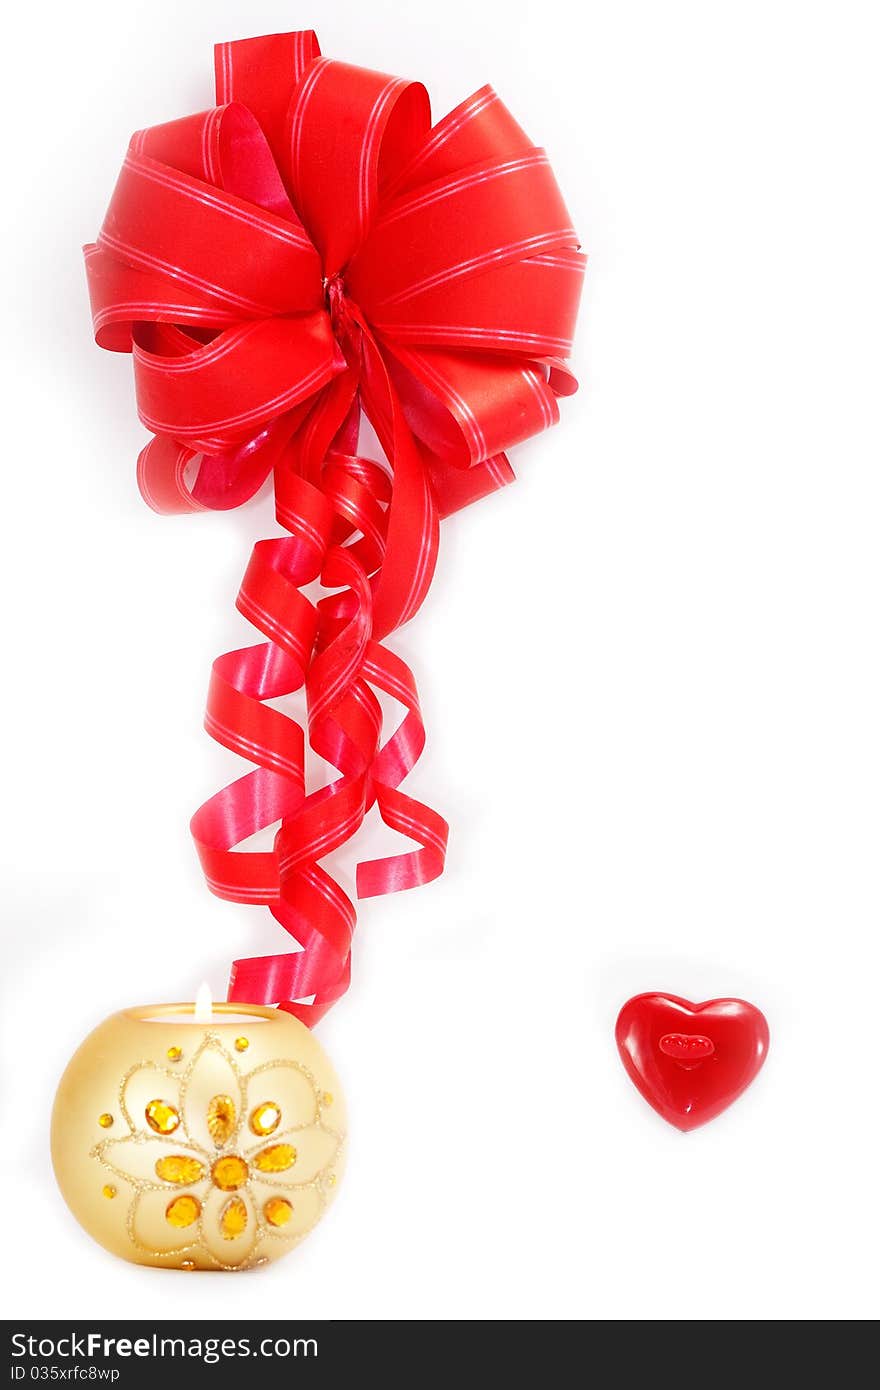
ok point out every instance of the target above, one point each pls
(308, 251)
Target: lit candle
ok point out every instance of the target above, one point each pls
(203, 1010)
(199, 1136)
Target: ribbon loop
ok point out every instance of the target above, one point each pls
(220, 392)
(491, 214)
(338, 162)
(260, 73)
(239, 256)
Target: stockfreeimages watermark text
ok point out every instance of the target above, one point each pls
(94, 1346)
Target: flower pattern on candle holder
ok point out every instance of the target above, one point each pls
(250, 1161)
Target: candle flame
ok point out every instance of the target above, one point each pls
(204, 1006)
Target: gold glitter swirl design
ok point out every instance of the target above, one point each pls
(214, 1146)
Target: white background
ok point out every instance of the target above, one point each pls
(649, 671)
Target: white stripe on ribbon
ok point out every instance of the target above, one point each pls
(242, 895)
(163, 175)
(295, 523)
(443, 132)
(472, 180)
(369, 146)
(201, 356)
(305, 95)
(539, 390)
(454, 333)
(329, 889)
(314, 849)
(515, 250)
(266, 622)
(149, 261)
(416, 830)
(268, 408)
(223, 734)
(468, 423)
(225, 92)
(136, 311)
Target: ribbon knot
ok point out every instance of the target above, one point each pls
(334, 293)
(219, 266)
(344, 317)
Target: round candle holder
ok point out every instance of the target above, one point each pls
(199, 1145)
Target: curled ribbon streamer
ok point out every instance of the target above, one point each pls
(307, 251)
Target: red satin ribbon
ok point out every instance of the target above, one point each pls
(308, 251)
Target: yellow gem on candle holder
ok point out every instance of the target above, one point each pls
(217, 1162)
(179, 1168)
(265, 1119)
(161, 1117)
(183, 1211)
(221, 1119)
(229, 1173)
(277, 1158)
(234, 1220)
(278, 1211)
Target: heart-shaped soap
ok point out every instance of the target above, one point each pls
(690, 1061)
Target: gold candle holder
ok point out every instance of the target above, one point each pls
(193, 1144)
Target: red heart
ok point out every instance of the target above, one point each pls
(690, 1061)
